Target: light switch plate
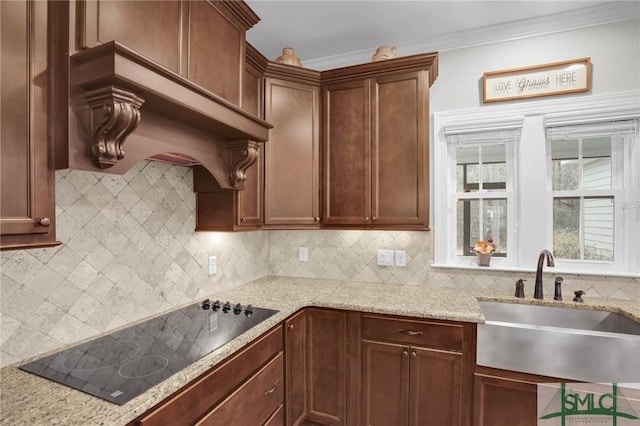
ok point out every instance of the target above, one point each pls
(385, 257)
(303, 254)
(401, 258)
(213, 265)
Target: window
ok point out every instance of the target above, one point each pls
(559, 174)
(482, 198)
(587, 196)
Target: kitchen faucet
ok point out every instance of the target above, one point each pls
(537, 292)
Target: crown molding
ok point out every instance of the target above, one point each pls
(616, 11)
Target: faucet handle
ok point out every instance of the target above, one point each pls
(579, 295)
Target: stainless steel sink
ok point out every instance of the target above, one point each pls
(576, 344)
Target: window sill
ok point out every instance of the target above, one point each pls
(555, 270)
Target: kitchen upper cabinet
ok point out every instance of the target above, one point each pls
(200, 40)
(292, 153)
(376, 144)
(220, 209)
(416, 372)
(27, 210)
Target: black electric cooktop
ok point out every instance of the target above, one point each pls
(122, 365)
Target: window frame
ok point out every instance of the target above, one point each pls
(533, 119)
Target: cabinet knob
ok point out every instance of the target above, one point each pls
(405, 354)
(374, 218)
(45, 221)
(244, 219)
(413, 354)
(366, 218)
(290, 326)
(317, 219)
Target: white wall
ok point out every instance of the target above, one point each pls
(614, 50)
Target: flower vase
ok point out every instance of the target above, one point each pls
(484, 259)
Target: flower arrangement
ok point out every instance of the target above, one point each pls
(484, 247)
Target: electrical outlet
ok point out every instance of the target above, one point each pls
(213, 265)
(385, 257)
(303, 254)
(401, 258)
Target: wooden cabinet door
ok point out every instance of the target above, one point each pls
(506, 398)
(435, 388)
(346, 154)
(327, 365)
(296, 368)
(27, 211)
(385, 384)
(292, 164)
(400, 149)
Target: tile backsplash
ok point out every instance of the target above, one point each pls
(129, 251)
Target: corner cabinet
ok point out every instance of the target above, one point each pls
(27, 210)
(292, 153)
(376, 144)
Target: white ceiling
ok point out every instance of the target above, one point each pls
(336, 33)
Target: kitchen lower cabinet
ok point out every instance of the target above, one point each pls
(327, 366)
(27, 210)
(248, 388)
(506, 398)
(416, 372)
(296, 368)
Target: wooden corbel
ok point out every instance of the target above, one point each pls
(242, 154)
(114, 116)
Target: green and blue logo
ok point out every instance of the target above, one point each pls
(584, 407)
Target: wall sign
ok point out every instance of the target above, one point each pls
(540, 80)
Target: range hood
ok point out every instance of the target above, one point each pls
(125, 108)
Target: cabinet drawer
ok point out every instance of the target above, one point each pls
(254, 401)
(277, 419)
(413, 332)
(197, 398)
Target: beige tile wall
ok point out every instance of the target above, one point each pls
(352, 255)
(129, 251)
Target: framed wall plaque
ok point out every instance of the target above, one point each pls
(540, 80)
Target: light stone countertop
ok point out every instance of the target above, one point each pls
(26, 399)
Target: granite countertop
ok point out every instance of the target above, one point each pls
(29, 399)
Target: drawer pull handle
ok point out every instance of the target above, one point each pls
(411, 332)
(272, 389)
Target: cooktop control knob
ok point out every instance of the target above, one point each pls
(216, 306)
(248, 310)
(205, 304)
(226, 307)
(237, 309)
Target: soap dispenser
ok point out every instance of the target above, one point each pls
(520, 288)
